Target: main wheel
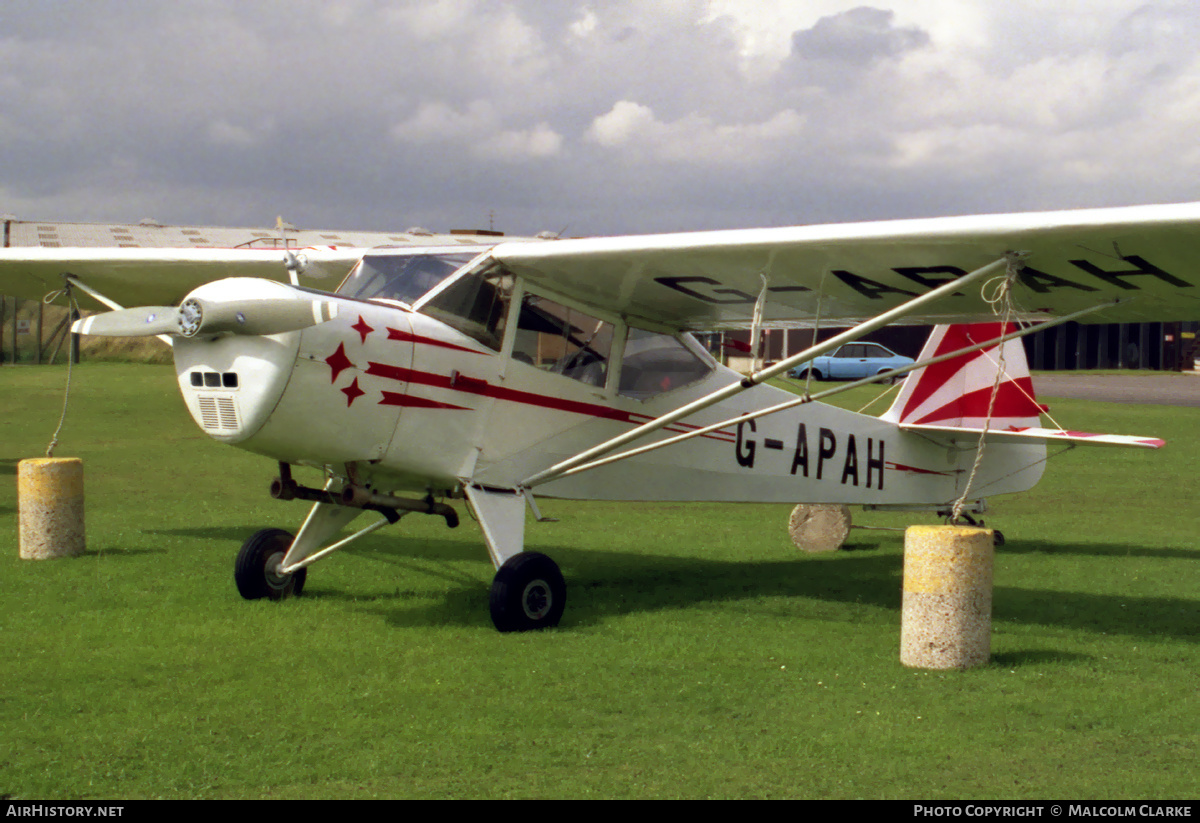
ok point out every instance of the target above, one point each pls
(528, 592)
(255, 570)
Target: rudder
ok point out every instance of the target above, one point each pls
(956, 393)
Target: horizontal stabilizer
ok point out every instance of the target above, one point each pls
(1032, 434)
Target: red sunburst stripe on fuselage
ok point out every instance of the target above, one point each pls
(683, 428)
(900, 467)
(409, 337)
(485, 389)
(391, 398)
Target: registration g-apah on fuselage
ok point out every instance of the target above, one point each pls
(493, 371)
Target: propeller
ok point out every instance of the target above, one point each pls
(201, 317)
(139, 322)
(207, 316)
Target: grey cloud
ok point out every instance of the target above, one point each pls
(380, 115)
(859, 37)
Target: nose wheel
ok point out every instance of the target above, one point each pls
(256, 569)
(528, 592)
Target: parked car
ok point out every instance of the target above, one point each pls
(852, 361)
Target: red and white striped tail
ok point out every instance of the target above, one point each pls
(956, 393)
(945, 399)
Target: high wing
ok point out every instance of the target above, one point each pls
(135, 277)
(1142, 263)
(1144, 260)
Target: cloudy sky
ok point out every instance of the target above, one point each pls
(596, 117)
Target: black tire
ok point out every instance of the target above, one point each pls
(261, 552)
(528, 593)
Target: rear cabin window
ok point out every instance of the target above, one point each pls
(564, 341)
(657, 363)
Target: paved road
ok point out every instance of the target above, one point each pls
(1159, 389)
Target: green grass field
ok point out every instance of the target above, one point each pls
(700, 656)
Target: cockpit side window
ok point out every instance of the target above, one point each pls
(563, 340)
(401, 277)
(657, 363)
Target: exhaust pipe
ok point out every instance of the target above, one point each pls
(359, 497)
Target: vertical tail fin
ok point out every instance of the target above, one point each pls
(956, 393)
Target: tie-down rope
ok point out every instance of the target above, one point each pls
(1001, 301)
(73, 311)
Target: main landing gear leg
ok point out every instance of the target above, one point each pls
(273, 564)
(528, 591)
(259, 569)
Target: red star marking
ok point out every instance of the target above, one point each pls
(362, 328)
(338, 361)
(352, 392)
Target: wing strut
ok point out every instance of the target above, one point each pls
(1010, 261)
(84, 287)
(811, 398)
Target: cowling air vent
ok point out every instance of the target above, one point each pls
(218, 414)
(213, 380)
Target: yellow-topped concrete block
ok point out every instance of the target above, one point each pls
(50, 500)
(947, 611)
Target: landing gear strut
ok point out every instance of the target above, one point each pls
(528, 592)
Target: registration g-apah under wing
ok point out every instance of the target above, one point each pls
(564, 368)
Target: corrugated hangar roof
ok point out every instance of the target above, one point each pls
(149, 234)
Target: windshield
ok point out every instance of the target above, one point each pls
(402, 276)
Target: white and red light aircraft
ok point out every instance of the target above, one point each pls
(565, 368)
